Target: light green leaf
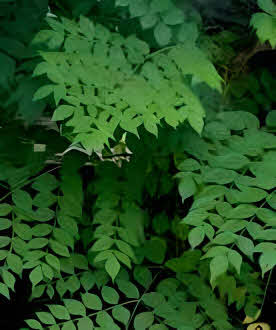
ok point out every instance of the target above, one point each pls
(92, 301)
(246, 246)
(173, 16)
(196, 236)
(103, 243)
(138, 8)
(15, 263)
(59, 249)
(85, 324)
(125, 248)
(36, 275)
(59, 312)
(143, 320)
(128, 288)
(187, 188)
(45, 318)
(110, 295)
(267, 261)
(265, 27)
(53, 261)
(218, 266)
(43, 92)
(4, 290)
(8, 279)
(4, 241)
(34, 324)
(87, 27)
(153, 299)
(235, 259)
(162, 34)
(75, 307)
(63, 112)
(121, 314)
(41, 230)
(112, 266)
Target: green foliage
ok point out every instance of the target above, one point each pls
(144, 197)
(121, 88)
(264, 23)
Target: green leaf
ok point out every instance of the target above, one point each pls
(265, 27)
(87, 27)
(36, 275)
(63, 112)
(34, 324)
(235, 259)
(15, 263)
(162, 34)
(121, 314)
(246, 246)
(148, 21)
(173, 16)
(8, 279)
(267, 261)
(218, 266)
(4, 241)
(22, 199)
(268, 6)
(125, 248)
(53, 261)
(45, 318)
(155, 250)
(112, 266)
(187, 188)
(23, 231)
(103, 243)
(153, 299)
(69, 325)
(88, 280)
(37, 243)
(59, 312)
(143, 320)
(267, 216)
(270, 120)
(92, 301)
(5, 209)
(85, 323)
(4, 290)
(138, 8)
(41, 230)
(128, 288)
(43, 92)
(196, 236)
(142, 275)
(75, 307)
(110, 295)
(59, 249)
(73, 284)
(218, 175)
(192, 60)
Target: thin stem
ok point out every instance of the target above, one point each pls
(26, 182)
(95, 313)
(266, 287)
(139, 300)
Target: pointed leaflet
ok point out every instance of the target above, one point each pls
(196, 236)
(112, 266)
(218, 266)
(192, 60)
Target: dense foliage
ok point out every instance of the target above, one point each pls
(138, 153)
